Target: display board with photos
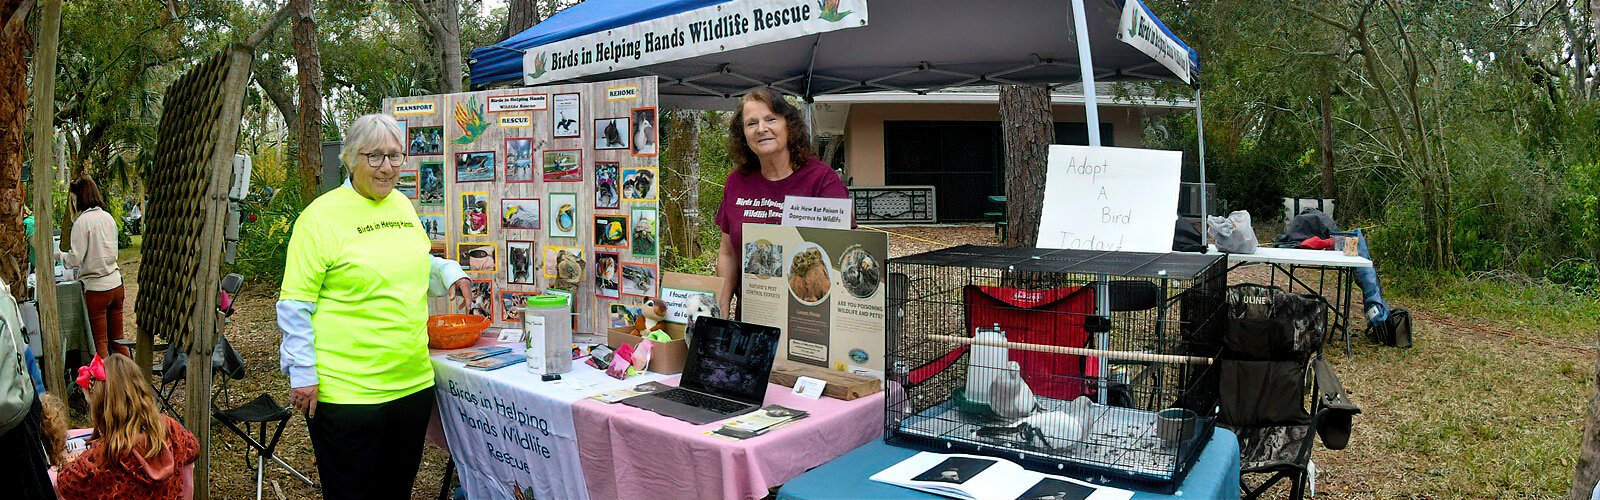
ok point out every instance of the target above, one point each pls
(521, 185)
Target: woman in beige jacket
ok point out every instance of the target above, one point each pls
(94, 255)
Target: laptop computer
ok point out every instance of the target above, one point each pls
(724, 376)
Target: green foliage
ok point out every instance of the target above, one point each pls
(1455, 103)
(264, 242)
(714, 167)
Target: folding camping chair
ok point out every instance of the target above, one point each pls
(258, 414)
(1272, 355)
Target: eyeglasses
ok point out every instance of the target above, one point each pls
(376, 159)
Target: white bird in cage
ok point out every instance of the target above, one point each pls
(1058, 429)
(1009, 395)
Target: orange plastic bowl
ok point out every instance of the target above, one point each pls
(455, 331)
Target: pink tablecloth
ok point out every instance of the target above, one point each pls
(627, 452)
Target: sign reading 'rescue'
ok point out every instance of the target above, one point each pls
(516, 121)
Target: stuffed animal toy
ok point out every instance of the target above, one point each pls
(651, 323)
(703, 305)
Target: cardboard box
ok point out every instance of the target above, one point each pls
(666, 357)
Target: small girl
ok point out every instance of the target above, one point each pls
(136, 452)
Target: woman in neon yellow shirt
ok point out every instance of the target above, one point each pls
(353, 309)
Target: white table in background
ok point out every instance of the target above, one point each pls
(1287, 260)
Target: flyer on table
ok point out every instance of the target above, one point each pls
(824, 288)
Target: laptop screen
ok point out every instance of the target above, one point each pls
(730, 359)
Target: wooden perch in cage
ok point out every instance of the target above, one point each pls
(1080, 351)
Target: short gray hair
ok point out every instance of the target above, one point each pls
(366, 133)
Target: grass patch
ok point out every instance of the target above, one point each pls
(1533, 305)
(1467, 413)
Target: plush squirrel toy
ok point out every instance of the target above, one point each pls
(651, 323)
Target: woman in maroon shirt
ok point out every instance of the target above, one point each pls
(771, 152)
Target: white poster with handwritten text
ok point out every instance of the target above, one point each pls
(1102, 198)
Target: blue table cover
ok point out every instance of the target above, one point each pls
(1215, 475)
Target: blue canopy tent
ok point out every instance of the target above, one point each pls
(712, 50)
(706, 51)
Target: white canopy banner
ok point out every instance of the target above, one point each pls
(1104, 198)
(1143, 31)
(709, 30)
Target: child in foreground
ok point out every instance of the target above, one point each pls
(136, 452)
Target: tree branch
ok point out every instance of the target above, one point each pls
(269, 28)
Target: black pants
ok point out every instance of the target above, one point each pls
(24, 470)
(371, 451)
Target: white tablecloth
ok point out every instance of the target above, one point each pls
(1296, 256)
(508, 429)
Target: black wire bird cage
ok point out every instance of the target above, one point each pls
(1081, 362)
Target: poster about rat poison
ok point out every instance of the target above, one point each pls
(824, 288)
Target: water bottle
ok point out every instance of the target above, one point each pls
(985, 363)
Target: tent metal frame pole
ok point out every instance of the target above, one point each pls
(1091, 105)
(1091, 114)
(1200, 130)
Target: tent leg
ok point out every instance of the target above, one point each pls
(1091, 105)
(1200, 127)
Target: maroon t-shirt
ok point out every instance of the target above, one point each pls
(749, 197)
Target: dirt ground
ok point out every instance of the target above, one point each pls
(1403, 446)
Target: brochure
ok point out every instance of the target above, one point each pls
(497, 361)
(723, 433)
(759, 421)
(479, 353)
(628, 392)
(988, 478)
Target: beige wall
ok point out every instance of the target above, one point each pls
(864, 129)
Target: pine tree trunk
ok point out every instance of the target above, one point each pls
(1588, 470)
(13, 102)
(1027, 129)
(520, 15)
(443, 20)
(308, 128)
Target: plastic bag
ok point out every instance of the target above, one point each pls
(1232, 234)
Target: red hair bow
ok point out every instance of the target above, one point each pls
(95, 371)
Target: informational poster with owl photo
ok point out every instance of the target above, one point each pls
(824, 288)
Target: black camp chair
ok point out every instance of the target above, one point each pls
(1271, 362)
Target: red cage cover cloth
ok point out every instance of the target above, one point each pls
(1049, 317)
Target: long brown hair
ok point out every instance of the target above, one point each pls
(799, 137)
(124, 411)
(86, 194)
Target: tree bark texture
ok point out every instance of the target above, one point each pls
(1329, 189)
(1588, 470)
(443, 19)
(680, 167)
(308, 128)
(13, 102)
(520, 15)
(1027, 129)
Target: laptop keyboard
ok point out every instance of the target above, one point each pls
(702, 401)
